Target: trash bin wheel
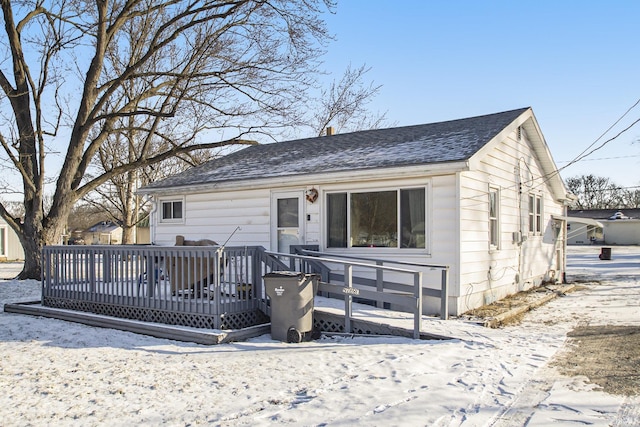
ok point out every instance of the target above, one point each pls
(294, 336)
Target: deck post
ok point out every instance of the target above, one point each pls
(417, 315)
(379, 283)
(444, 295)
(348, 299)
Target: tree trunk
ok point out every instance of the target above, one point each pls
(128, 234)
(35, 234)
(32, 240)
(32, 259)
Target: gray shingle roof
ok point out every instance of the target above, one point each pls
(450, 141)
(603, 213)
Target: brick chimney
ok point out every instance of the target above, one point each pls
(329, 130)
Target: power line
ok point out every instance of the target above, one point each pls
(601, 158)
(586, 151)
(582, 155)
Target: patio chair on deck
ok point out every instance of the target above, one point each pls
(191, 276)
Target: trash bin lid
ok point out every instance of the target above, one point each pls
(283, 273)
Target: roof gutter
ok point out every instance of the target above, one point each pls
(315, 178)
(586, 221)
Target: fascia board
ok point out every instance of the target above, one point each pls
(316, 179)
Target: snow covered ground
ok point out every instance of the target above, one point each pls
(58, 373)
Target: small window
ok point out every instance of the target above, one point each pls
(535, 214)
(494, 231)
(172, 211)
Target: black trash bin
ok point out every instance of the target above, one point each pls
(291, 296)
(605, 253)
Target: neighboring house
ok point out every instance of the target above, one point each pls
(103, 233)
(481, 195)
(10, 246)
(606, 227)
(143, 233)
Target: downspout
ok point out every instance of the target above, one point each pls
(457, 279)
(152, 220)
(564, 242)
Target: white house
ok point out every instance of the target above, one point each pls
(103, 233)
(481, 195)
(10, 246)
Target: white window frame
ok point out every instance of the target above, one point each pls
(171, 220)
(349, 192)
(494, 221)
(535, 214)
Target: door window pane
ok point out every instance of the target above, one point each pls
(286, 238)
(288, 212)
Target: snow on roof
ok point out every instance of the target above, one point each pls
(450, 141)
(612, 214)
(103, 227)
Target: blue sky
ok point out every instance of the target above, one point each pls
(576, 63)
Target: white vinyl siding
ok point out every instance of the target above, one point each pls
(487, 275)
(216, 216)
(11, 246)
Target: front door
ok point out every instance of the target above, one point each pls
(286, 223)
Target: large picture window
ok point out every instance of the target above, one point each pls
(387, 219)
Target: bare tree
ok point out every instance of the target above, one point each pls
(631, 198)
(595, 192)
(71, 72)
(344, 104)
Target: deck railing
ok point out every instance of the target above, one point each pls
(204, 286)
(380, 284)
(405, 296)
(213, 287)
